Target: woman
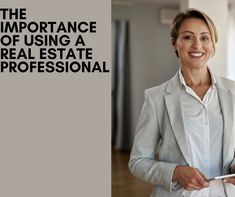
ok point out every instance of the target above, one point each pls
(188, 121)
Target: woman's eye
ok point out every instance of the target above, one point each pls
(187, 37)
(204, 38)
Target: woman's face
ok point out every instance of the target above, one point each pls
(194, 44)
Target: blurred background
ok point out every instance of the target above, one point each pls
(142, 57)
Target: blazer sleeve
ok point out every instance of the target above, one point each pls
(231, 165)
(142, 161)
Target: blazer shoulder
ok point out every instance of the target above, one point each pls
(172, 85)
(157, 90)
(228, 83)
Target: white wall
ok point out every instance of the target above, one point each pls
(153, 61)
(231, 42)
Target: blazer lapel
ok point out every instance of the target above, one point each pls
(226, 103)
(174, 109)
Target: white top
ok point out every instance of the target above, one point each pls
(204, 132)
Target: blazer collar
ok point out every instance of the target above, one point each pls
(174, 109)
(173, 84)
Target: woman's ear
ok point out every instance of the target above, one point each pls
(174, 47)
(212, 52)
(173, 43)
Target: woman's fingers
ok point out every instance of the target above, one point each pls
(203, 180)
(190, 178)
(230, 180)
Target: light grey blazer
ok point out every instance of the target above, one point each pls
(160, 131)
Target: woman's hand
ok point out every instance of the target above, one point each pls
(190, 178)
(229, 180)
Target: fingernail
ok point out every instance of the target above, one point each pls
(225, 181)
(206, 184)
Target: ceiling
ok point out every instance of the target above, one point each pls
(173, 2)
(154, 1)
(146, 1)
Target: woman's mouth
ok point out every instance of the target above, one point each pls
(196, 54)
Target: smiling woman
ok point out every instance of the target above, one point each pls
(188, 120)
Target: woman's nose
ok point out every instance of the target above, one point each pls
(196, 43)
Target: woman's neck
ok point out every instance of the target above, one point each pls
(196, 77)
